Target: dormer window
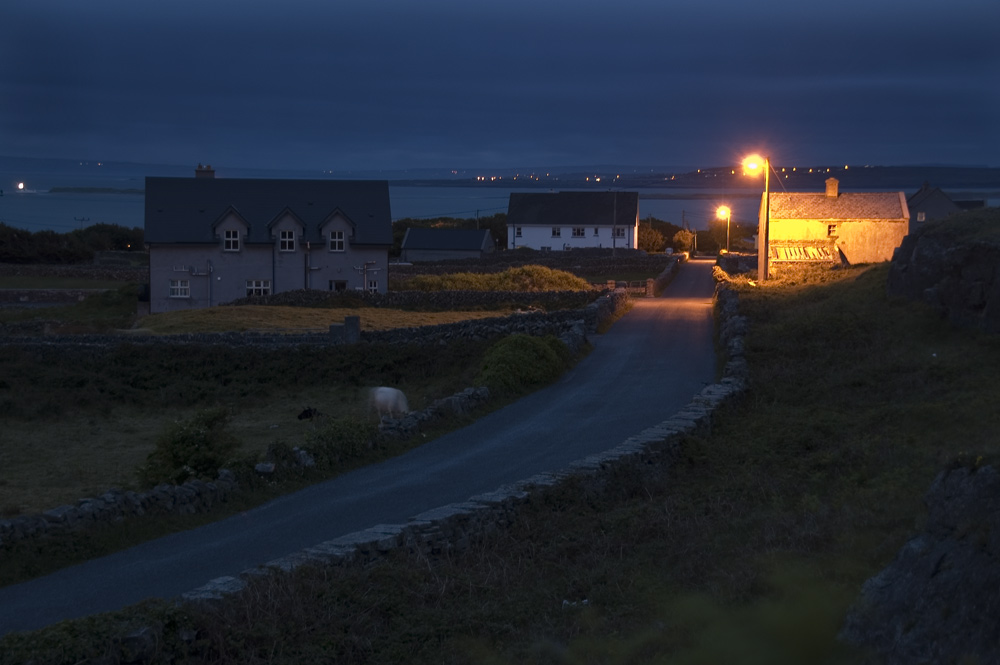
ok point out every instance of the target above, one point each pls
(231, 241)
(336, 241)
(286, 241)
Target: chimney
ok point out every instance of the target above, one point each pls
(831, 187)
(204, 171)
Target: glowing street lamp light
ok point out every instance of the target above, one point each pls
(751, 166)
(723, 212)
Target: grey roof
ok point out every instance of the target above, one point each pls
(846, 205)
(455, 239)
(573, 208)
(186, 210)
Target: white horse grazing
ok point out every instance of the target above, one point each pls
(388, 401)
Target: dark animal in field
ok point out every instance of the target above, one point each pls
(388, 401)
(308, 413)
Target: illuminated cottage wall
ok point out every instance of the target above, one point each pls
(863, 227)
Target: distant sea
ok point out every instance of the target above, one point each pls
(61, 195)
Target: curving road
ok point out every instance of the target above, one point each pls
(649, 365)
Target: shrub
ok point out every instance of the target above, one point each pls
(339, 442)
(197, 448)
(519, 363)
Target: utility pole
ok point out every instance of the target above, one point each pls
(614, 226)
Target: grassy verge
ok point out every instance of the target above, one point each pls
(748, 549)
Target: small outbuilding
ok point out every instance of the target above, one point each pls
(931, 203)
(420, 244)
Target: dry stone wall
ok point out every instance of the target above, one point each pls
(199, 496)
(455, 526)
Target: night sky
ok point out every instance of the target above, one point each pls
(390, 84)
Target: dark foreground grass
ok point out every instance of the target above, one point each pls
(748, 548)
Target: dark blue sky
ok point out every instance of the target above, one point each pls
(330, 84)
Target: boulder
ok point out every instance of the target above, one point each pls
(938, 601)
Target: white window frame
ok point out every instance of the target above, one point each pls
(921, 216)
(338, 241)
(231, 240)
(579, 232)
(180, 288)
(597, 232)
(556, 232)
(372, 286)
(832, 230)
(517, 231)
(619, 232)
(286, 241)
(258, 287)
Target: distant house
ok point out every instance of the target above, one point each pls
(570, 220)
(214, 240)
(930, 203)
(852, 227)
(421, 244)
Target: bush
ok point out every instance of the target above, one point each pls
(340, 442)
(519, 363)
(195, 448)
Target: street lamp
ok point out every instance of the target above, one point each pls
(751, 165)
(723, 212)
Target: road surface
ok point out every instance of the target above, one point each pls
(649, 365)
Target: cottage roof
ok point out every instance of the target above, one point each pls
(450, 239)
(573, 208)
(185, 210)
(846, 205)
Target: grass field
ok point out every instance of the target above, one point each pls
(79, 422)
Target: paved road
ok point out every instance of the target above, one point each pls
(643, 370)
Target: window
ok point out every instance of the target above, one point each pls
(619, 232)
(338, 285)
(579, 232)
(336, 241)
(921, 216)
(596, 232)
(556, 232)
(831, 229)
(517, 231)
(232, 241)
(286, 241)
(373, 286)
(258, 287)
(180, 288)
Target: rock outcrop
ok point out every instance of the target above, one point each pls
(939, 600)
(954, 266)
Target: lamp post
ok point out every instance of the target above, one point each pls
(751, 165)
(723, 212)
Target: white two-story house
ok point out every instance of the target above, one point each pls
(214, 240)
(568, 220)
